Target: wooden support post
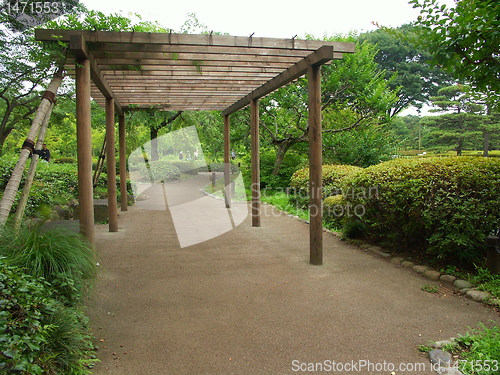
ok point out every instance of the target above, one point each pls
(254, 132)
(315, 165)
(84, 146)
(123, 163)
(227, 161)
(111, 165)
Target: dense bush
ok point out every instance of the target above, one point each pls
(38, 333)
(7, 164)
(218, 167)
(159, 170)
(290, 163)
(334, 178)
(442, 206)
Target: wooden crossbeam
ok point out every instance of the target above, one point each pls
(318, 57)
(79, 48)
(133, 38)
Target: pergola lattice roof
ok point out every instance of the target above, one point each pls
(190, 72)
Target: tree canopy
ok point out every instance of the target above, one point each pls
(464, 39)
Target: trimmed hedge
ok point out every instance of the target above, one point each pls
(160, 171)
(442, 206)
(334, 179)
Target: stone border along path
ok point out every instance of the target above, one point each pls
(437, 355)
(463, 287)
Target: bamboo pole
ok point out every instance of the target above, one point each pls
(23, 201)
(14, 181)
(123, 163)
(111, 165)
(315, 166)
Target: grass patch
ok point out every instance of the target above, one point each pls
(281, 201)
(430, 288)
(479, 351)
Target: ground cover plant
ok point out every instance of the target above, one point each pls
(44, 276)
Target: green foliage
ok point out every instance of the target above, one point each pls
(62, 258)
(464, 124)
(54, 184)
(479, 350)
(440, 206)
(463, 39)
(406, 66)
(486, 281)
(38, 334)
(430, 288)
(268, 180)
(24, 300)
(7, 164)
(158, 171)
(334, 178)
(362, 147)
(333, 211)
(281, 201)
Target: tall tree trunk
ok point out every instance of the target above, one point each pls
(460, 146)
(4, 130)
(486, 144)
(26, 151)
(21, 207)
(281, 151)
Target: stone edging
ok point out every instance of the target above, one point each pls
(463, 286)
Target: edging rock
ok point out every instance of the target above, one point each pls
(463, 286)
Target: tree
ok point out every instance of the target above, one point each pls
(355, 93)
(410, 131)
(24, 69)
(461, 126)
(463, 39)
(407, 67)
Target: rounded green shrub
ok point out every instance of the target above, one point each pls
(334, 179)
(159, 170)
(333, 211)
(442, 206)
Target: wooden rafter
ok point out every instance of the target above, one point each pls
(318, 57)
(188, 72)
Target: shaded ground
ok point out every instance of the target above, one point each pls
(249, 302)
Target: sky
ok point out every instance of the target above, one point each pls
(270, 18)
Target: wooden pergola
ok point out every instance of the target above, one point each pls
(129, 71)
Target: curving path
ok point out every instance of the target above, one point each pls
(248, 302)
